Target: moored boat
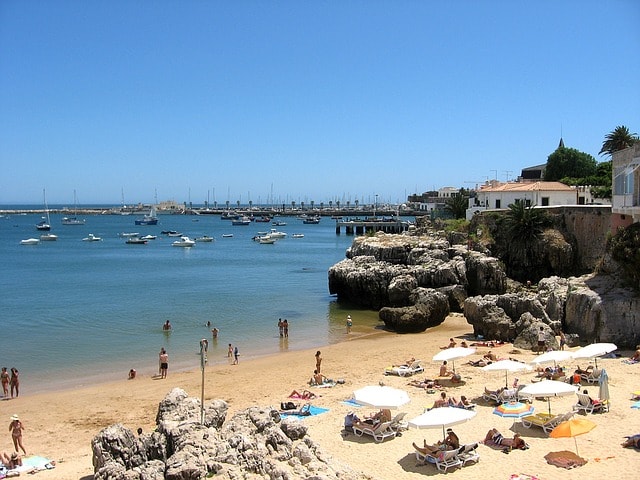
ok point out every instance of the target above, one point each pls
(92, 238)
(184, 242)
(276, 234)
(227, 235)
(150, 219)
(48, 237)
(129, 234)
(298, 235)
(149, 237)
(204, 239)
(30, 241)
(242, 221)
(267, 240)
(136, 241)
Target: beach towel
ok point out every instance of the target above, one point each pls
(351, 402)
(325, 385)
(628, 361)
(565, 459)
(312, 411)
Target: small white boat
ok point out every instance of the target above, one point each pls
(242, 221)
(48, 237)
(204, 239)
(184, 242)
(173, 233)
(135, 241)
(276, 234)
(92, 238)
(227, 235)
(279, 223)
(298, 235)
(129, 234)
(149, 237)
(267, 240)
(30, 241)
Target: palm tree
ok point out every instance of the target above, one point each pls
(457, 204)
(619, 139)
(523, 227)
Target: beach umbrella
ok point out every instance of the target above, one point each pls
(603, 393)
(452, 354)
(548, 389)
(572, 428)
(381, 396)
(554, 356)
(506, 366)
(441, 418)
(594, 351)
(514, 410)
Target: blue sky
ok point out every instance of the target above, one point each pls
(302, 101)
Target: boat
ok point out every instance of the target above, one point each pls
(173, 233)
(92, 238)
(204, 239)
(279, 223)
(45, 224)
(149, 237)
(30, 241)
(276, 234)
(263, 219)
(184, 242)
(73, 220)
(136, 241)
(298, 235)
(227, 235)
(314, 220)
(131, 234)
(150, 219)
(48, 237)
(243, 221)
(267, 240)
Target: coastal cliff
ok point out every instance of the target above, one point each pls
(416, 279)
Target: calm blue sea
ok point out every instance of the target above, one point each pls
(74, 313)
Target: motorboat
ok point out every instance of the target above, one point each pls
(204, 239)
(279, 223)
(173, 233)
(92, 238)
(267, 240)
(184, 242)
(263, 219)
(150, 219)
(242, 221)
(48, 237)
(276, 234)
(314, 220)
(129, 234)
(30, 241)
(227, 235)
(298, 235)
(136, 241)
(149, 237)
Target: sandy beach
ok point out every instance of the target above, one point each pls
(60, 425)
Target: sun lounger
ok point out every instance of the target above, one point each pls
(545, 421)
(585, 405)
(591, 377)
(442, 460)
(398, 422)
(405, 370)
(468, 453)
(379, 432)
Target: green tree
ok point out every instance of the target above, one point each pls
(569, 162)
(523, 227)
(619, 139)
(457, 204)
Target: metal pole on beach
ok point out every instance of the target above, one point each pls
(204, 346)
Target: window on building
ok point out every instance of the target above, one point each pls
(545, 201)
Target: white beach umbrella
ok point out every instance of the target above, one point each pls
(594, 351)
(381, 396)
(548, 389)
(506, 366)
(553, 356)
(451, 354)
(441, 418)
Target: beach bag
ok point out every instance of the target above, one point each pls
(287, 406)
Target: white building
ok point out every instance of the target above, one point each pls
(500, 195)
(626, 187)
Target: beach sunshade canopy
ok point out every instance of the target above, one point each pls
(572, 428)
(506, 366)
(595, 350)
(548, 389)
(441, 418)
(514, 410)
(381, 396)
(451, 354)
(554, 356)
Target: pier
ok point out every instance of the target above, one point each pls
(371, 225)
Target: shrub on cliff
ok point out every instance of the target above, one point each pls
(625, 249)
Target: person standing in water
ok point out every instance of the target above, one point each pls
(167, 326)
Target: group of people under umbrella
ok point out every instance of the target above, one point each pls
(384, 397)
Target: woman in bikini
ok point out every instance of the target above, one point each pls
(5, 382)
(494, 436)
(16, 427)
(15, 382)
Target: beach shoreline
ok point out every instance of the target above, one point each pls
(60, 424)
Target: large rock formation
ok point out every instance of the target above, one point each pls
(254, 444)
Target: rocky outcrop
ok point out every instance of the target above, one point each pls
(254, 443)
(429, 309)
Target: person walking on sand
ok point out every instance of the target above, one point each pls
(15, 382)
(164, 363)
(236, 354)
(349, 324)
(4, 376)
(318, 361)
(162, 350)
(16, 427)
(542, 344)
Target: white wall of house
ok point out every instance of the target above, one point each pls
(626, 183)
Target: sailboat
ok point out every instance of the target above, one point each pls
(45, 224)
(73, 220)
(150, 219)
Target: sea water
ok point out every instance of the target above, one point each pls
(74, 312)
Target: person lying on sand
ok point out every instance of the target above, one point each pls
(427, 384)
(305, 395)
(495, 437)
(632, 441)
